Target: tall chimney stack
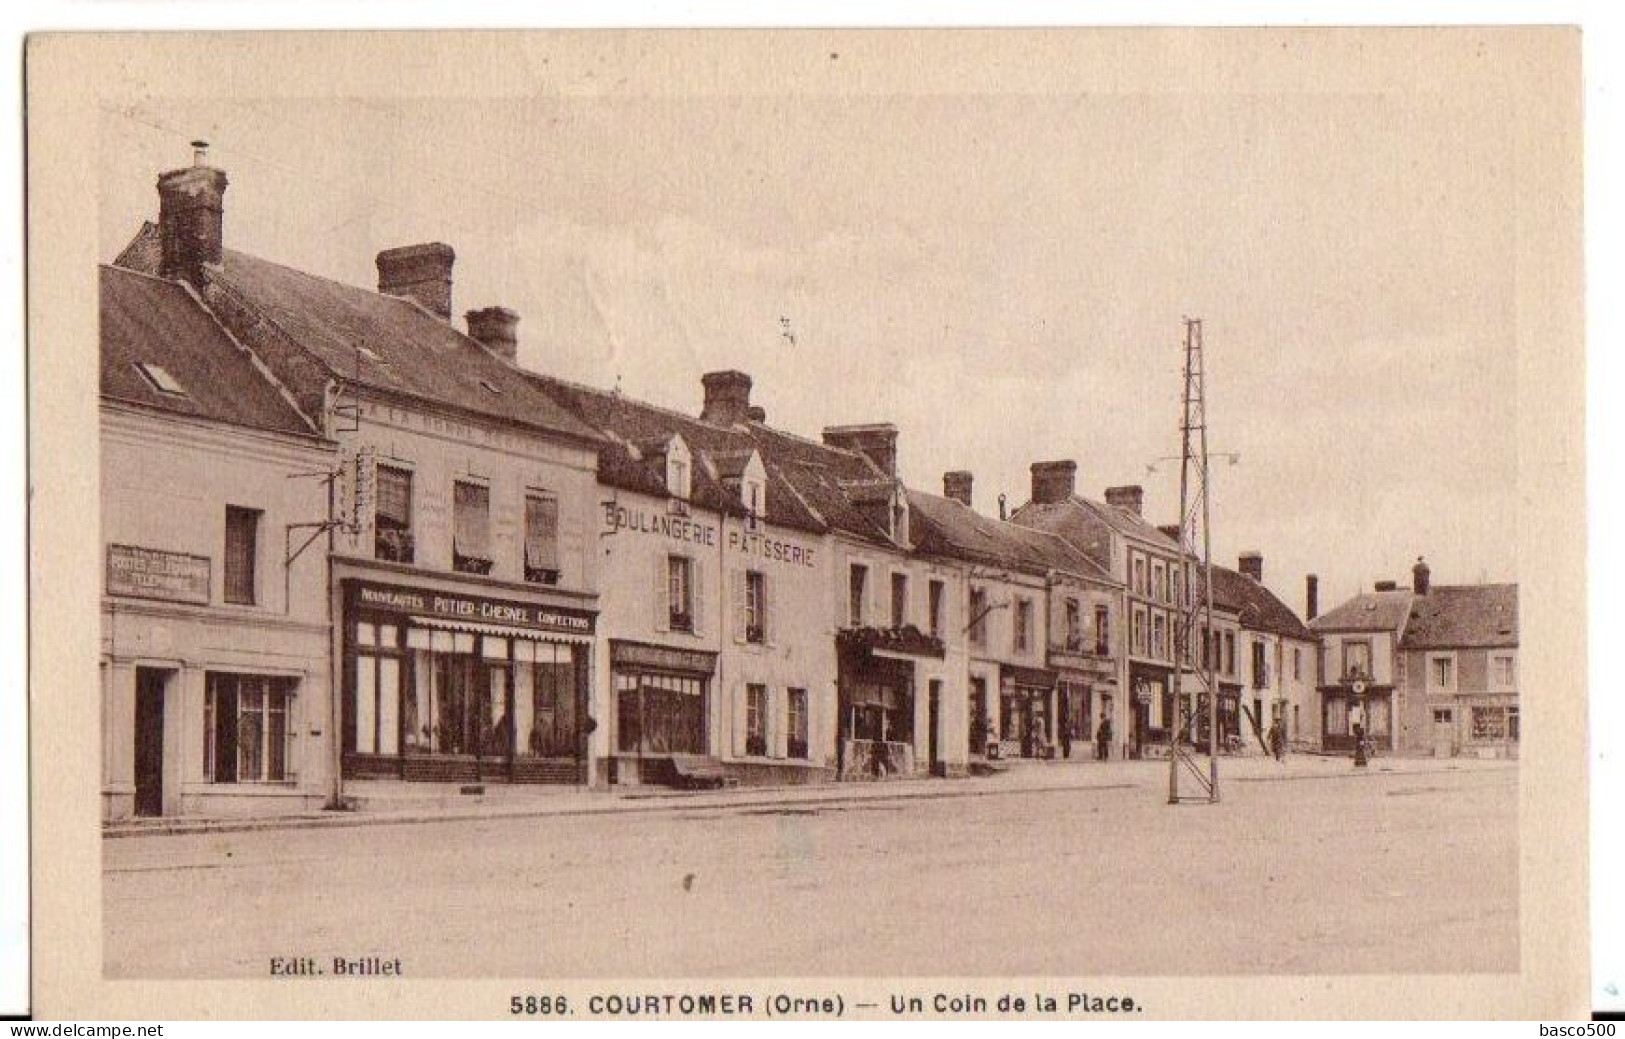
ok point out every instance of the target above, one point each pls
(419, 272)
(1311, 597)
(876, 441)
(1054, 482)
(1421, 577)
(957, 485)
(1131, 497)
(496, 329)
(191, 217)
(1252, 564)
(727, 397)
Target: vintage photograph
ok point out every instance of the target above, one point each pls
(821, 528)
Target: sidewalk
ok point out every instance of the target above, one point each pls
(387, 802)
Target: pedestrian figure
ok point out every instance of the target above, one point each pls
(1036, 731)
(1066, 739)
(1277, 741)
(1359, 746)
(1103, 737)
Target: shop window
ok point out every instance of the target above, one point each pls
(471, 528)
(1512, 724)
(756, 721)
(1489, 723)
(1079, 720)
(755, 606)
(978, 716)
(899, 600)
(796, 745)
(659, 713)
(978, 617)
(242, 551)
(1337, 717)
(541, 539)
(880, 712)
(374, 722)
(680, 593)
(857, 578)
(1022, 634)
(246, 734)
(545, 680)
(392, 516)
(934, 593)
(1102, 630)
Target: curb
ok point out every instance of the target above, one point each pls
(656, 803)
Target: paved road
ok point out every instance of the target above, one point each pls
(1408, 873)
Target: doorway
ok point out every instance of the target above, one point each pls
(150, 683)
(933, 740)
(1444, 732)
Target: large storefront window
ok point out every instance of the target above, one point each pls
(880, 712)
(426, 691)
(1489, 723)
(659, 713)
(246, 733)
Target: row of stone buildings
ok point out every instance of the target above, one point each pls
(347, 542)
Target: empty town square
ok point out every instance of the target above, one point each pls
(1306, 866)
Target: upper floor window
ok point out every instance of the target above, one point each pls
(1074, 626)
(1159, 581)
(796, 723)
(392, 516)
(1297, 663)
(934, 592)
(242, 552)
(1159, 637)
(1504, 670)
(756, 720)
(856, 588)
(1022, 628)
(471, 528)
(1229, 652)
(755, 498)
(680, 593)
(755, 606)
(899, 600)
(1102, 630)
(1357, 659)
(978, 617)
(1261, 674)
(541, 538)
(1139, 575)
(1442, 672)
(677, 478)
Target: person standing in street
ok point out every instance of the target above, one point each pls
(1103, 737)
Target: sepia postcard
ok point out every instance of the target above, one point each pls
(1049, 524)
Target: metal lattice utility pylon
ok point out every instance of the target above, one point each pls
(1195, 599)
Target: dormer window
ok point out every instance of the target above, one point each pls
(679, 469)
(755, 498)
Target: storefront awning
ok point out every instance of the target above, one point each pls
(500, 630)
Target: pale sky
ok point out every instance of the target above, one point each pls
(1002, 277)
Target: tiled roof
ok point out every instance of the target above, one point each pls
(947, 527)
(627, 422)
(377, 341)
(1369, 611)
(1463, 616)
(821, 476)
(151, 321)
(1260, 609)
(1070, 518)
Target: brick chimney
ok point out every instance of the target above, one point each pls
(1252, 564)
(1131, 497)
(757, 414)
(1421, 577)
(727, 397)
(957, 485)
(496, 329)
(191, 217)
(420, 272)
(1054, 482)
(1311, 596)
(876, 441)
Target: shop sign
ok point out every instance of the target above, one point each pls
(763, 546)
(659, 524)
(148, 573)
(475, 608)
(661, 658)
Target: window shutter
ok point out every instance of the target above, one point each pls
(660, 601)
(471, 520)
(767, 609)
(741, 596)
(696, 576)
(778, 729)
(740, 721)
